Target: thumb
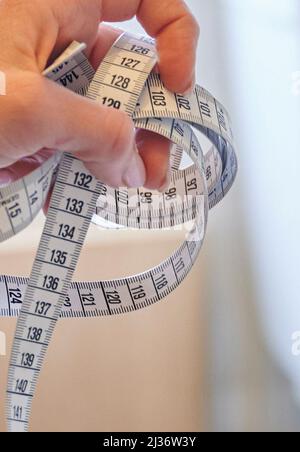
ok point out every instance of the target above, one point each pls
(103, 138)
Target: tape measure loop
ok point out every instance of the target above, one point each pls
(123, 81)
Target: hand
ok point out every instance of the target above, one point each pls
(38, 116)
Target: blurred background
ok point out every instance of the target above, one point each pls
(221, 354)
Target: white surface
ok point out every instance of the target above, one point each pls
(263, 48)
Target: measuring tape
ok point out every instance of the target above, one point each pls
(124, 81)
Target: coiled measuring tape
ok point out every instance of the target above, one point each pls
(124, 81)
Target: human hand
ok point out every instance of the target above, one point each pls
(37, 116)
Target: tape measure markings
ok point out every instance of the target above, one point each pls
(78, 198)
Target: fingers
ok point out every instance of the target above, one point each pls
(77, 20)
(155, 152)
(36, 31)
(24, 167)
(103, 138)
(177, 34)
(49, 116)
(169, 21)
(154, 149)
(176, 31)
(52, 117)
(106, 37)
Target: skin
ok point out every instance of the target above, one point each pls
(37, 116)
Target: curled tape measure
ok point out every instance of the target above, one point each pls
(124, 81)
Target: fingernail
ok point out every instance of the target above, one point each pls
(5, 178)
(166, 183)
(135, 175)
(156, 69)
(191, 87)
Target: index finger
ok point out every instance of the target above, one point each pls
(175, 29)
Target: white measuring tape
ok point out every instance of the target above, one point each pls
(124, 81)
